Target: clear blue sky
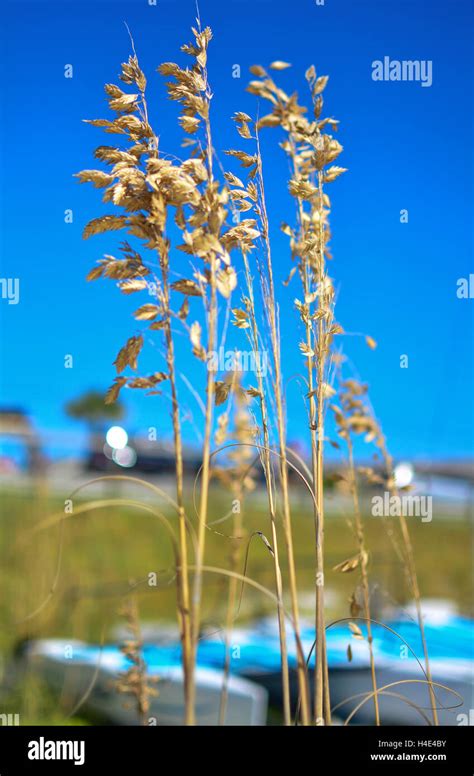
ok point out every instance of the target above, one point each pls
(406, 146)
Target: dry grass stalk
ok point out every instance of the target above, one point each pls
(133, 184)
(182, 571)
(271, 307)
(310, 150)
(191, 87)
(364, 420)
(135, 681)
(238, 478)
(352, 417)
(243, 198)
(410, 565)
(270, 484)
(269, 297)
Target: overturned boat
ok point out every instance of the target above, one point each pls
(400, 674)
(86, 675)
(86, 678)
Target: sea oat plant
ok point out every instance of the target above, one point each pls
(355, 415)
(311, 149)
(351, 418)
(148, 186)
(159, 196)
(145, 188)
(245, 197)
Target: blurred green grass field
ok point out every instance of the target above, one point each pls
(69, 580)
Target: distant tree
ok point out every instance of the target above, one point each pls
(91, 408)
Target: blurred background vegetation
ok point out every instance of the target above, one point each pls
(69, 579)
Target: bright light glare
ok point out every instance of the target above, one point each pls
(125, 457)
(117, 437)
(403, 474)
(108, 452)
